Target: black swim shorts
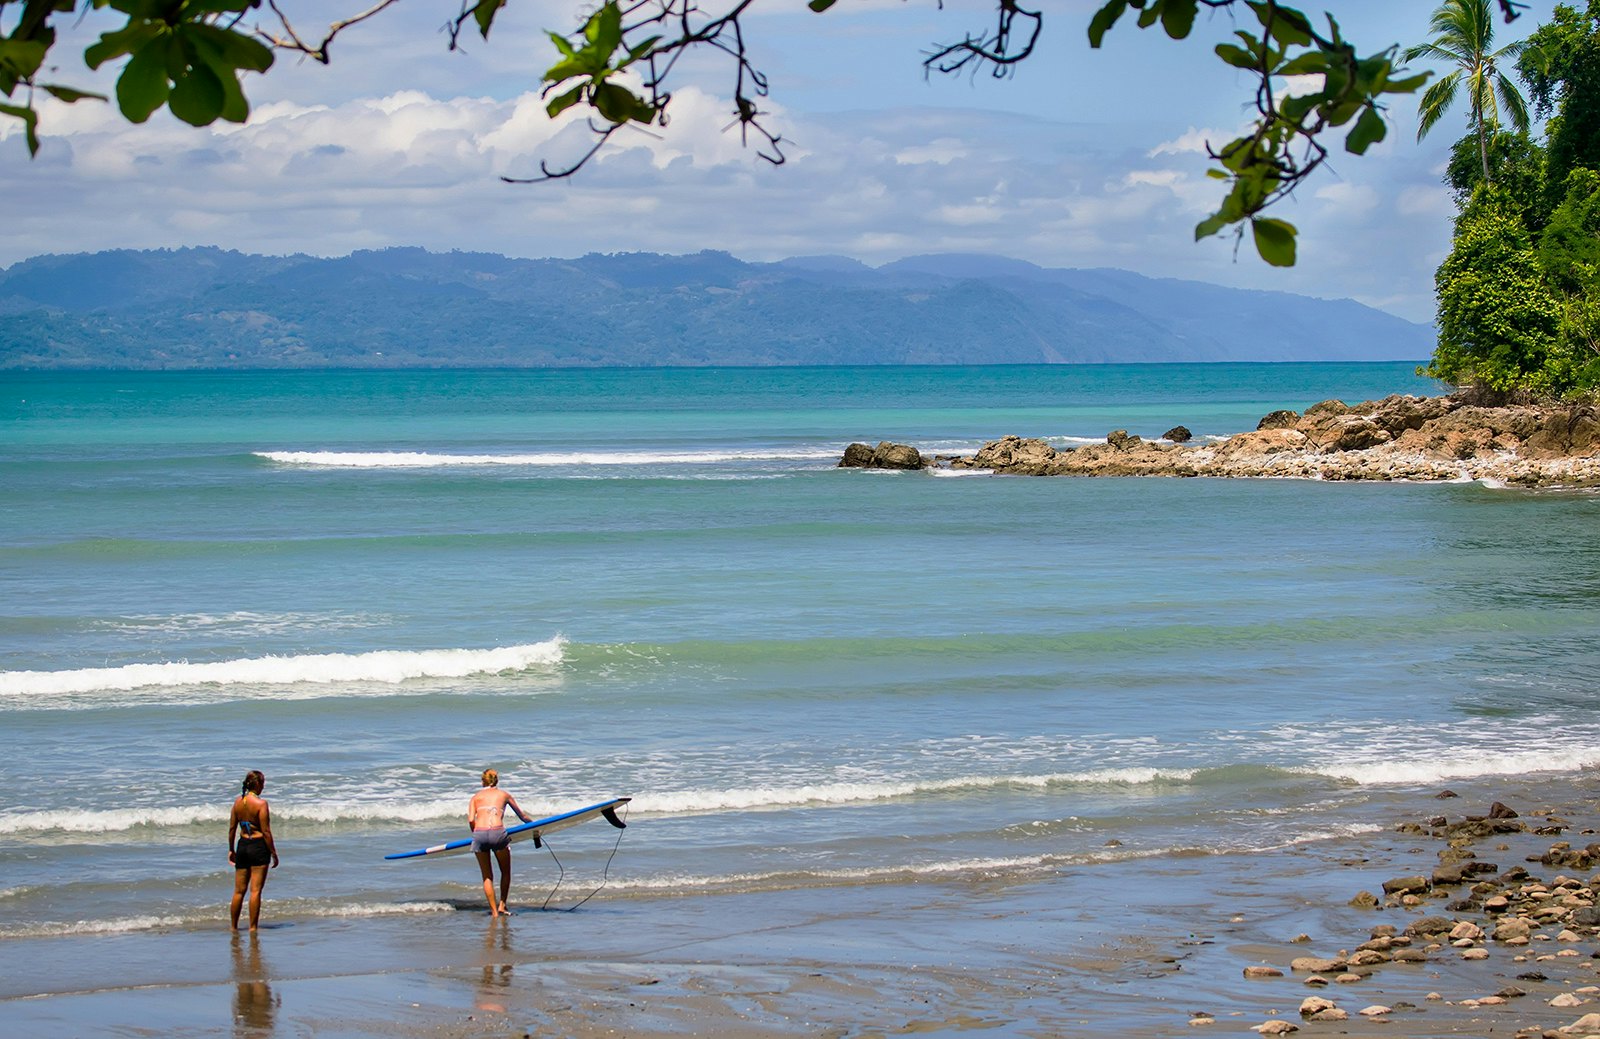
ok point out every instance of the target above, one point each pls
(250, 852)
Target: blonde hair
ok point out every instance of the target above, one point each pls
(491, 777)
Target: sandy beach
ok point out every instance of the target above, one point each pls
(1147, 946)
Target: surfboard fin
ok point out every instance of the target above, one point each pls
(610, 815)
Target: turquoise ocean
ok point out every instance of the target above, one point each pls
(656, 584)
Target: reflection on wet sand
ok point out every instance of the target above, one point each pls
(255, 1007)
(496, 971)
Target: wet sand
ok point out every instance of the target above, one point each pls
(1144, 945)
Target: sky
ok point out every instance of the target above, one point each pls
(1082, 158)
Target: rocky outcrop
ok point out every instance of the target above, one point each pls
(884, 456)
(1396, 438)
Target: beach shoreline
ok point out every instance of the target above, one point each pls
(1158, 946)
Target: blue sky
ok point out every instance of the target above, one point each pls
(1082, 159)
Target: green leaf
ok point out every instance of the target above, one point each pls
(820, 5)
(235, 109)
(125, 40)
(1236, 56)
(143, 86)
(1406, 86)
(484, 14)
(22, 56)
(1310, 63)
(70, 94)
(566, 48)
(604, 29)
(565, 101)
(1104, 19)
(30, 124)
(618, 104)
(197, 96)
(1210, 226)
(1274, 240)
(1177, 17)
(1369, 130)
(236, 49)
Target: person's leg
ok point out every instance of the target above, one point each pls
(241, 880)
(258, 880)
(503, 856)
(488, 880)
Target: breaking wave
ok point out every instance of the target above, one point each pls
(382, 666)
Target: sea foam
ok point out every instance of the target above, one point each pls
(430, 459)
(389, 667)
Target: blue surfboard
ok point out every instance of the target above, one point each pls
(534, 831)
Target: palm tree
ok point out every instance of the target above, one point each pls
(1463, 33)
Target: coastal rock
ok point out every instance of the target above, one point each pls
(1405, 885)
(1510, 930)
(1259, 971)
(1501, 811)
(1396, 438)
(856, 456)
(1346, 433)
(885, 456)
(1315, 1004)
(1588, 1024)
(1178, 435)
(1315, 965)
(1430, 925)
(1364, 900)
(1573, 432)
(1277, 1027)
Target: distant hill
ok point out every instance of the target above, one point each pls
(212, 308)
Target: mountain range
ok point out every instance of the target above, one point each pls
(402, 307)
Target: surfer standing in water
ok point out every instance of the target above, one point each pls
(251, 822)
(486, 817)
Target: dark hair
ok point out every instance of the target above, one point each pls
(253, 782)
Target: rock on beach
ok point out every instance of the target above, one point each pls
(1396, 438)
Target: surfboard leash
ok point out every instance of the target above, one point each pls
(605, 873)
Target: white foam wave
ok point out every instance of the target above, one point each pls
(756, 798)
(208, 916)
(382, 909)
(114, 925)
(287, 809)
(86, 823)
(429, 459)
(1478, 764)
(389, 667)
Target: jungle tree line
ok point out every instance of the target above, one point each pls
(1519, 294)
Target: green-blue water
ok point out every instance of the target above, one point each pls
(655, 583)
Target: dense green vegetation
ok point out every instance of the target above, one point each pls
(1519, 294)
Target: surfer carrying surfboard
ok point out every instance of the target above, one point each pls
(486, 818)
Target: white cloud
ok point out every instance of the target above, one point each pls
(1193, 141)
(1350, 199)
